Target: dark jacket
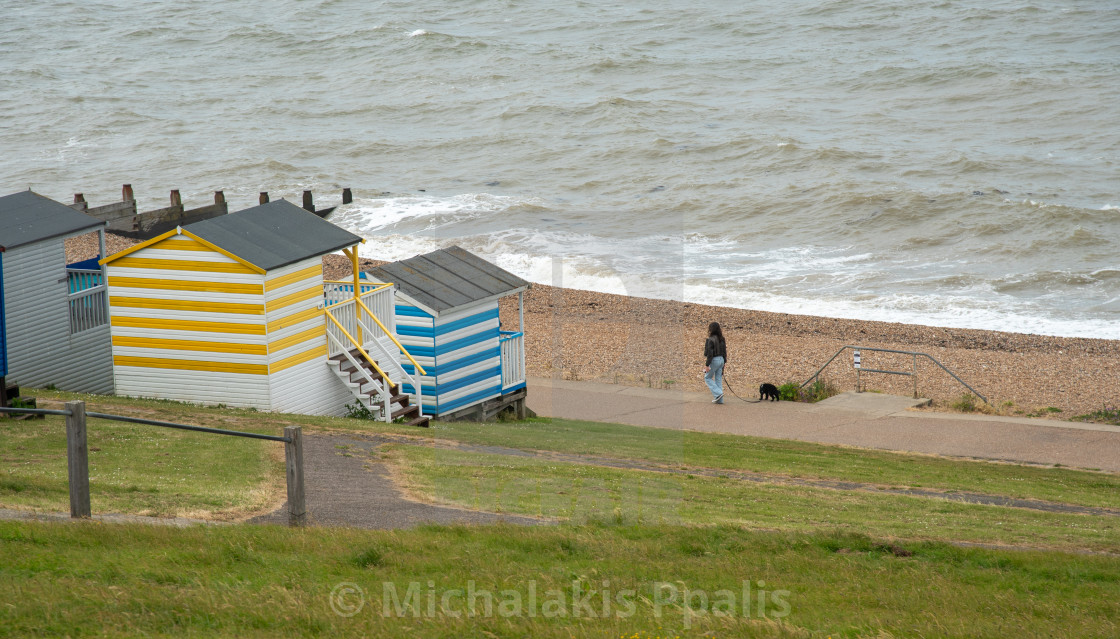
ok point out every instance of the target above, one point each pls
(714, 347)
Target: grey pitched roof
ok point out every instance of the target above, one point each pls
(448, 278)
(274, 234)
(28, 217)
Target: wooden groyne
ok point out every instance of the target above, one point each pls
(123, 218)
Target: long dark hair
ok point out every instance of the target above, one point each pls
(713, 329)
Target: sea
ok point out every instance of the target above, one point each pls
(949, 163)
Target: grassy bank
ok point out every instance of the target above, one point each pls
(140, 469)
(260, 581)
(158, 471)
(576, 492)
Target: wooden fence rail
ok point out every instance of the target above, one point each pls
(77, 455)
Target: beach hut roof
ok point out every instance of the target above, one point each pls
(28, 217)
(274, 234)
(447, 279)
(264, 237)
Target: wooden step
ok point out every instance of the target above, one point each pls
(422, 421)
(405, 411)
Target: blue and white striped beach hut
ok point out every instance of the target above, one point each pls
(447, 318)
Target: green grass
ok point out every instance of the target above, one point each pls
(578, 493)
(260, 581)
(679, 448)
(140, 469)
(1103, 415)
(791, 458)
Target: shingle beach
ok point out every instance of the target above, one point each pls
(585, 335)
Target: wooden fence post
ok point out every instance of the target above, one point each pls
(293, 453)
(308, 202)
(347, 196)
(77, 456)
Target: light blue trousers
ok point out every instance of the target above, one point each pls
(714, 377)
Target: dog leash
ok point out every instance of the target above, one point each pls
(749, 401)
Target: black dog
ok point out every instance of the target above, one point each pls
(768, 391)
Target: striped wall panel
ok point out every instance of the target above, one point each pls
(189, 323)
(299, 379)
(459, 352)
(309, 388)
(41, 350)
(3, 330)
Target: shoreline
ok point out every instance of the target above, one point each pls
(605, 337)
(586, 335)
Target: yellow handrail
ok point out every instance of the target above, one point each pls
(419, 368)
(361, 350)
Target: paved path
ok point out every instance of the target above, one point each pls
(868, 420)
(346, 485)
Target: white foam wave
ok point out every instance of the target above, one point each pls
(837, 282)
(585, 272)
(1110, 207)
(419, 32)
(370, 216)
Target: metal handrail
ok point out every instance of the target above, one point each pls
(365, 308)
(361, 350)
(365, 373)
(914, 354)
(390, 357)
(149, 422)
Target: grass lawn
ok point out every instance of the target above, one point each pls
(577, 493)
(139, 469)
(660, 581)
(665, 552)
(675, 448)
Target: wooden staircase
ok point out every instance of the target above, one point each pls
(400, 404)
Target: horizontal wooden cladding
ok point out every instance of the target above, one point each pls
(292, 278)
(294, 298)
(303, 336)
(180, 243)
(186, 285)
(294, 318)
(299, 358)
(117, 301)
(184, 265)
(189, 345)
(190, 365)
(187, 325)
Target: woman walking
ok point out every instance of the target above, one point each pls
(715, 356)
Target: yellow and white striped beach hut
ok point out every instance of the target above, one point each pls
(231, 311)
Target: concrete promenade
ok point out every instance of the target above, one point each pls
(867, 420)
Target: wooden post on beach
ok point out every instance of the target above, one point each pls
(308, 202)
(126, 193)
(176, 199)
(347, 196)
(219, 198)
(264, 197)
(293, 454)
(80, 202)
(77, 458)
